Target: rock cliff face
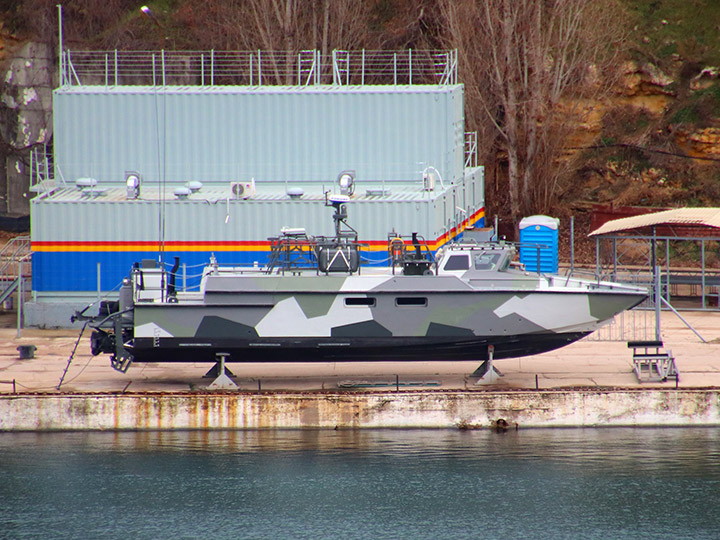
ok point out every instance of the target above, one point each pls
(25, 121)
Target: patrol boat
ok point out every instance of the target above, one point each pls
(314, 302)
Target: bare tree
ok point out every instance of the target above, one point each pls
(284, 26)
(529, 66)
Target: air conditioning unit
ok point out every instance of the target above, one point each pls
(243, 190)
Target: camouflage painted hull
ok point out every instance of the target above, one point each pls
(471, 302)
(370, 318)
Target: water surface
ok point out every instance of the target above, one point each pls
(378, 484)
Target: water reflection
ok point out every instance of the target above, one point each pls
(589, 483)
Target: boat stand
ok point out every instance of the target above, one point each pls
(222, 381)
(214, 371)
(487, 373)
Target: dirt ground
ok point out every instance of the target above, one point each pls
(587, 363)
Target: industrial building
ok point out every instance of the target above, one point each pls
(163, 155)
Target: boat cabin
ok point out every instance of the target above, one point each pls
(477, 258)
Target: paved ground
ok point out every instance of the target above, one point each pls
(586, 363)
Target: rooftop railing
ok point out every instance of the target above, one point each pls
(258, 68)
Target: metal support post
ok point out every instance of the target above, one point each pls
(614, 248)
(410, 65)
(572, 244)
(702, 279)
(657, 300)
(60, 47)
(683, 319)
(19, 298)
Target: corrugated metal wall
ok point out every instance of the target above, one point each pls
(68, 216)
(277, 135)
(237, 133)
(196, 220)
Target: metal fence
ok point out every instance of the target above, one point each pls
(637, 324)
(258, 68)
(633, 325)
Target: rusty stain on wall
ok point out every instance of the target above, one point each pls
(424, 409)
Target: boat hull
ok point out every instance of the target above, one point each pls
(367, 318)
(325, 327)
(395, 349)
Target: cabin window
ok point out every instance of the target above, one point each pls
(411, 301)
(360, 301)
(486, 261)
(457, 262)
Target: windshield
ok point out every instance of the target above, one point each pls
(488, 261)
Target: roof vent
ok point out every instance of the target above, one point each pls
(182, 192)
(194, 186)
(83, 183)
(380, 192)
(295, 192)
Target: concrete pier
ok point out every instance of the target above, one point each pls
(589, 383)
(443, 409)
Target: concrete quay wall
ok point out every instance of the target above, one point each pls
(444, 409)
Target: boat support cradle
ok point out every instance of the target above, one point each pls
(486, 373)
(222, 380)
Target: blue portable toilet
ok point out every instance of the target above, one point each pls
(539, 233)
